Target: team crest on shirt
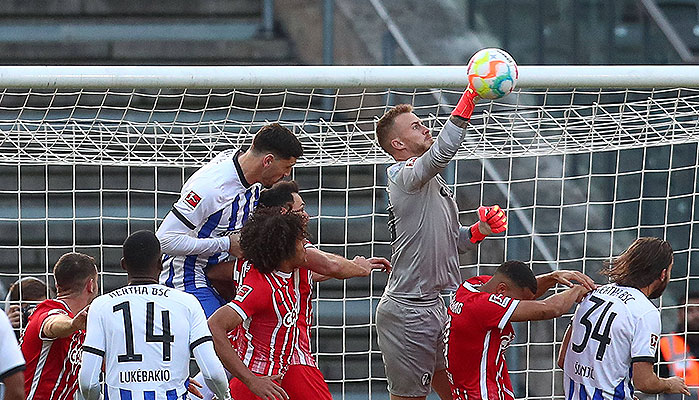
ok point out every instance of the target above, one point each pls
(653, 342)
(290, 318)
(500, 300)
(192, 199)
(243, 292)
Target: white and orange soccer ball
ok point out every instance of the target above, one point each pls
(492, 73)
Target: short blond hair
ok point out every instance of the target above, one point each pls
(383, 127)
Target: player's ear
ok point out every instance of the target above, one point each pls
(501, 288)
(91, 285)
(397, 144)
(267, 160)
(123, 264)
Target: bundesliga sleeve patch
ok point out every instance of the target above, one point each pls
(500, 300)
(192, 199)
(653, 342)
(243, 292)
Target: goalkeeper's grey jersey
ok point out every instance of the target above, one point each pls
(424, 223)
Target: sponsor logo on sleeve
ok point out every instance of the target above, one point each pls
(500, 300)
(243, 292)
(653, 342)
(192, 199)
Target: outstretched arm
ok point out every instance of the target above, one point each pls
(551, 307)
(335, 266)
(545, 282)
(61, 325)
(444, 148)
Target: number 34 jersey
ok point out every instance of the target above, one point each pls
(613, 327)
(145, 333)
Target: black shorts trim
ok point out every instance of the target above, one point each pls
(199, 341)
(94, 351)
(182, 218)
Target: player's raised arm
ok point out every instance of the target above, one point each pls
(402, 135)
(564, 277)
(551, 307)
(224, 320)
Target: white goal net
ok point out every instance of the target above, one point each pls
(86, 158)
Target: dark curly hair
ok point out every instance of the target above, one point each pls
(641, 264)
(269, 237)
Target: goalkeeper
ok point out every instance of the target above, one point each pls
(426, 238)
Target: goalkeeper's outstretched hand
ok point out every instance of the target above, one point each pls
(491, 220)
(464, 108)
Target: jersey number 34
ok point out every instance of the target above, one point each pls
(598, 334)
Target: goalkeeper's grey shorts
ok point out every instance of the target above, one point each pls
(411, 339)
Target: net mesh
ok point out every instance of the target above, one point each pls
(187, 127)
(582, 173)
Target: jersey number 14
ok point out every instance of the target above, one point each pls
(166, 338)
(602, 336)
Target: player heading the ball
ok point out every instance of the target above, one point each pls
(202, 228)
(426, 239)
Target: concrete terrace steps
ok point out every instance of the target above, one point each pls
(110, 8)
(130, 32)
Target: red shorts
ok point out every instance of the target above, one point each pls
(300, 382)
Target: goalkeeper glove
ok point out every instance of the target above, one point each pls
(464, 108)
(494, 217)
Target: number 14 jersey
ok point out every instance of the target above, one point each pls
(145, 334)
(613, 327)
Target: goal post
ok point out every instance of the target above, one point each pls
(584, 158)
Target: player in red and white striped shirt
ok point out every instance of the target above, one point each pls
(266, 305)
(302, 379)
(479, 328)
(52, 342)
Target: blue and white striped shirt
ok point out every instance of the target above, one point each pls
(214, 202)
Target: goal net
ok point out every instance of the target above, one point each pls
(583, 167)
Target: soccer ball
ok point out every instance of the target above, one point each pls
(492, 73)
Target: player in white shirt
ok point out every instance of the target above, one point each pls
(144, 332)
(12, 363)
(610, 347)
(201, 229)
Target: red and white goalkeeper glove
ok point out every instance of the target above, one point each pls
(490, 218)
(464, 108)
